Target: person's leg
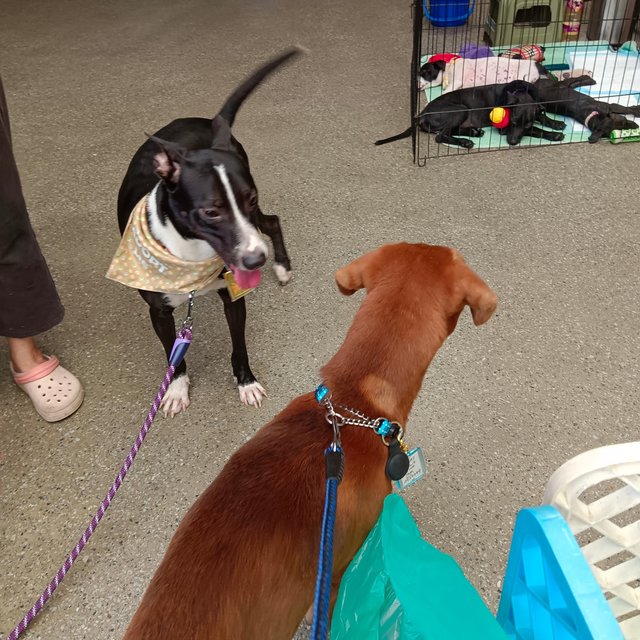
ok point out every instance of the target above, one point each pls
(29, 302)
(25, 354)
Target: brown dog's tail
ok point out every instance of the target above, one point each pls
(235, 100)
(398, 136)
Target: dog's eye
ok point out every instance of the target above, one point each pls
(253, 200)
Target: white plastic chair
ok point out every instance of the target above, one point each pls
(598, 494)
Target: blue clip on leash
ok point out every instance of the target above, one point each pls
(183, 339)
(334, 463)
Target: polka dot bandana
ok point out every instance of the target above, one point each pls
(142, 262)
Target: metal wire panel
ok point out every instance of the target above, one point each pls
(598, 26)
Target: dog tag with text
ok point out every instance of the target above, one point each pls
(417, 469)
(235, 291)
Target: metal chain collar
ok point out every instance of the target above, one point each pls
(383, 427)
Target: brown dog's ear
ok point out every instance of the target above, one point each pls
(168, 159)
(481, 300)
(351, 277)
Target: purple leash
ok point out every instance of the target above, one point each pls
(180, 347)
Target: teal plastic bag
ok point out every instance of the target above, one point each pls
(399, 587)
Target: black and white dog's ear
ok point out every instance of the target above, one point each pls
(221, 133)
(168, 159)
(433, 68)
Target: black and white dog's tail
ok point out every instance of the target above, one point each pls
(399, 136)
(235, 100)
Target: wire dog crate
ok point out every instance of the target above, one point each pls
(477, 41)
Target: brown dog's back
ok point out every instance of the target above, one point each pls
(238, 551)
(242, 564)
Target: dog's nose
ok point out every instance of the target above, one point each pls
(254, 259)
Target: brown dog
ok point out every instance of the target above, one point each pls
(242, 563)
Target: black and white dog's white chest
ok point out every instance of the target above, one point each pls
(190, 249)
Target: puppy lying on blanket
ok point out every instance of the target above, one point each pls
(464, 112)
(601, 118)
(242, 563)
(461, 73)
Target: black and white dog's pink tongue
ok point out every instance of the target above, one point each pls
(247, 279)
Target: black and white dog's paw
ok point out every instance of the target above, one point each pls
(177, 397)
(282, 273)
(252, 393)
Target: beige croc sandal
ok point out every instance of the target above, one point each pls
(55, 392)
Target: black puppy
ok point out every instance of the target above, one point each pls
(601, 118)
(202, 207)
(465, 111)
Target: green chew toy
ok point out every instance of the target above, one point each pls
(625, 135)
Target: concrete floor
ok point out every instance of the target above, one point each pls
(554, 231)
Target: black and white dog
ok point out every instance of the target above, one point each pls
(203, 205)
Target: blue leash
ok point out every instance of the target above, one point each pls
(334, 460)
(396, 468)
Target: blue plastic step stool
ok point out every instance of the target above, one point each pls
(549, 591)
